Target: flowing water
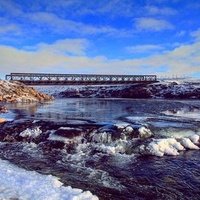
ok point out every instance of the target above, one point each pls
(105, 145)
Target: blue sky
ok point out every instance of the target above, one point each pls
(100, 36)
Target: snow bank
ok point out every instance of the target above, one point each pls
(17, 183)
(35, 132)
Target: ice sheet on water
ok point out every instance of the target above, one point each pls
(17, 183)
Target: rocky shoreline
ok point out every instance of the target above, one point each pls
(13, 92)
(171, 90)
(159, 90)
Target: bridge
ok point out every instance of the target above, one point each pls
(78, 79)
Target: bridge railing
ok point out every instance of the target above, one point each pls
(37, 78)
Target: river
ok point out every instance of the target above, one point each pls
(101, 160)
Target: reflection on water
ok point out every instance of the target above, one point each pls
(97, 109)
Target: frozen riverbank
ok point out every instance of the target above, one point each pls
(18, 183)
(162, 89)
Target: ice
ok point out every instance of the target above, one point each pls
(58, 138)
(159, 147)
(137, 118)
(18, 183)
(195, 138)
(175, 133)
(170, 146)
(145, 132)
(35, 132)
(184, 113)
(125, 127)
(122, 125)
(187, 143)
(102, 137)
(110, 149)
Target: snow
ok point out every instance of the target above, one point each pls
(160, 147)
(125, 127)
(170, 146)
(35, 132)
(109, 149)
(145, 132)
(18, 183)
(102, 137)
(58, 138)
(187, 143)
(195, 138)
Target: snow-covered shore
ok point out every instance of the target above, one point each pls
(18, 183)
(162, 89)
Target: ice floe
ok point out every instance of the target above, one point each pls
(18, 183)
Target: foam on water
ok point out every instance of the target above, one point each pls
(17, 183)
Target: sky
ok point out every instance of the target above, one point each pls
(159, 37)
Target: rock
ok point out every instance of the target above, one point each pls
(18, 92)
(2, 120)
(166, 90)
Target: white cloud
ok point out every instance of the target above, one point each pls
(147, 48)
(113, 8)
(10, 7)
(181, 33)
(154, 10)
(61, 25)
(65, 47)
(10, 28)
(182, 60)
(152, 24)
(196, 34)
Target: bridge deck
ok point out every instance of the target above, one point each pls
(78, 79)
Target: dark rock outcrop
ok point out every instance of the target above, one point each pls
(165, 90)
